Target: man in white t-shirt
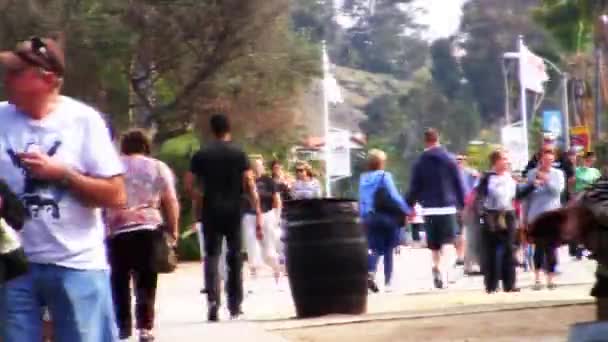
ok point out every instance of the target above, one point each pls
(57, 155)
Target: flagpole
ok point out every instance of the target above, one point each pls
(523, 97)
(326, 146)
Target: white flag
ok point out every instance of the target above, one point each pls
(534, 71)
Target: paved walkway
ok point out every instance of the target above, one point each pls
(182, 310)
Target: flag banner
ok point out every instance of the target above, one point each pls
(513, 140)
(534, 71)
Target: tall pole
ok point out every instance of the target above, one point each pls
(598, 92)
(566, 110)
(523, 97)
(326, 146)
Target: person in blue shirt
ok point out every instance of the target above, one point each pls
(382, 228)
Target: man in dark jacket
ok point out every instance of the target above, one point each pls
(437, 185)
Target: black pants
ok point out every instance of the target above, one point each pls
(545, 258)
(498, 261)
(129, 258)
(215, 229)
(575, 250)
(416, 229)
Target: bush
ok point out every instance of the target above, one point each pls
(177, 153)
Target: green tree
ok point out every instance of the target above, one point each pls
(446, 70)
(490, 28)
(383, 40)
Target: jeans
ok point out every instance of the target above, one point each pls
(383, 237)
(79, 302)
(215, 229)
(129, 259)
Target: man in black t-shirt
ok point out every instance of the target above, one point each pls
(266, 250)
(224, 176)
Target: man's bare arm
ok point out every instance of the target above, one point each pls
(97, 192)
(191, 187)
(93, 191)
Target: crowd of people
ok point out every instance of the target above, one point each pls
(92, 209)
(489, 217)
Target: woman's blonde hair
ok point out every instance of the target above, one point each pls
(306, 166)
(375, 159)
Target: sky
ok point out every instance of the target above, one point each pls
(442, 17)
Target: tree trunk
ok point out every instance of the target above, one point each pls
(143, 96)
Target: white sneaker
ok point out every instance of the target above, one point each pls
(388, 288)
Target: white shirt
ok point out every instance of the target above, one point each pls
(501, 192)
(61, 230)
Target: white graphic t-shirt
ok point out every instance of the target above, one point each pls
(61, 230)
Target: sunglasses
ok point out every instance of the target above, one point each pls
(300, 170)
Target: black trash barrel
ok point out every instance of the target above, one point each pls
(326, 257)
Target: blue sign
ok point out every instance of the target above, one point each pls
(553, 123)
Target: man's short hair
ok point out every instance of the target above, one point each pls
(431, 136)
(220, 124)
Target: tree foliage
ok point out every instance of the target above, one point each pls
(385, 39)
(489, 28)
(163, 62)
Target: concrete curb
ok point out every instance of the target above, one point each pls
(413, 315)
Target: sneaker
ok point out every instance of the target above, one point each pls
(537, 286)
(213, 313)
(237, 315)
(371, 284)
(146, 336)
(437, 281)
(551, 286)
(124, 335)
(459, 263)
(388, 288)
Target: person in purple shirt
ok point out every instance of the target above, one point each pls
(382, 228)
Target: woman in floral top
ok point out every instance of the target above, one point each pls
(151, 196)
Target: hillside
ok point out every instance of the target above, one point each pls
(358, 89)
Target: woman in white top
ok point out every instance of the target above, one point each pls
(497, 190)
(305, 186)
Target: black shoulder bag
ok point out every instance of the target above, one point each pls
(385, 204)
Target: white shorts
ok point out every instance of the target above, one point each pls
(267, 250)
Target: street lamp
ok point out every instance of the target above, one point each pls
(565, 77)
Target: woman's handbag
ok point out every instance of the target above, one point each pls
(164, 254)
(384, 203)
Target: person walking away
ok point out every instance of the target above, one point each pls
(382, 227)
(264, 251)
(549, 182)
(497, 192)
(470, 177)
(57, 156)
(305, 186)
(152, 205)
(223, 174)
(437, 185)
